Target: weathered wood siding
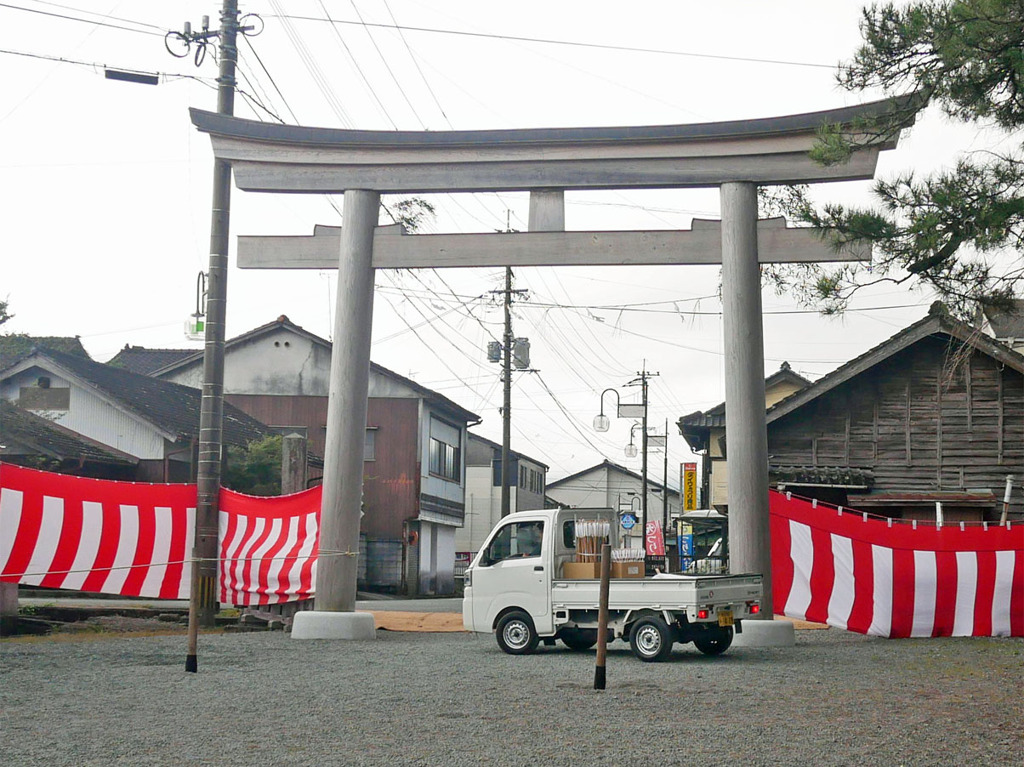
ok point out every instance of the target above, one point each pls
(391, 482)
(390, 489)
(277, 411)
(929, 418)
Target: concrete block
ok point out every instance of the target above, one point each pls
(314, 624)
(765, 634)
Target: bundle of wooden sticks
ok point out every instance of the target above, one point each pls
(591, 534)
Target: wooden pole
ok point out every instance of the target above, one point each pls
(602, 616)
(202, 608)
(1006, 500)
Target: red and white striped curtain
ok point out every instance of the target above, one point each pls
(135, 539)
(893, 578)
(268, 547)
(93, 535)
(860, 573)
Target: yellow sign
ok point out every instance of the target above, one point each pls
(689, 486)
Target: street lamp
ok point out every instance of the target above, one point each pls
(630, 449)
(632, 410)
(601, 422)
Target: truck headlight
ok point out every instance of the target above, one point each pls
(467, 579)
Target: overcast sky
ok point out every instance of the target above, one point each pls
(107, 186)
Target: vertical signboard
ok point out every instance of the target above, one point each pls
(689, 486)
(685, 542)
(654, 540)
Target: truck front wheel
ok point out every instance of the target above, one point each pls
(651, 639)
(714, 641)
(516, 634)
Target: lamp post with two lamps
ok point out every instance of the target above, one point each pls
(632, 410)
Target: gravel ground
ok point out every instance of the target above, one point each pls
(455, 699)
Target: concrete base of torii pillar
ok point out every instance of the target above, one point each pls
(313, 624)
(762, 633)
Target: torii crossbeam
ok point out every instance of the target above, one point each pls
(734, 156)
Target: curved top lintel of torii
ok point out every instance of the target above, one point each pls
(269, 157)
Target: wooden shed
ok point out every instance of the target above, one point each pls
(934, 414)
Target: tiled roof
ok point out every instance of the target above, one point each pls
(169, 406)
(938, 321)
(17, 345)
(139, 359)
(282, 322)
(23, 433)
(611, 465)
(715, 416)
(1007, 323)
(844, 476)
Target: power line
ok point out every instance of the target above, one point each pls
(86, 21)
(417, 63)
(384, 60)
(572, 43)
(98, 65)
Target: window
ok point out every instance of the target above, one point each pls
(445, 454)
(522, 477)
(519, 539)
(536, 482)
(513, 470)
(370, 444)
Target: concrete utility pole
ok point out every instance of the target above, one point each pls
(664, 496)
(203, 598)
(644, 375)
(643, 460)
(506, 408)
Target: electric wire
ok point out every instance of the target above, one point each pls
(384, 60)
(87, 21)
(270, 77)
(359, 69)
(574, 43)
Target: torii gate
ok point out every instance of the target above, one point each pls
(735, 156)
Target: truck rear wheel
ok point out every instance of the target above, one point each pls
(651, 639)
(515, 633)
(715, 641)
(578, 639)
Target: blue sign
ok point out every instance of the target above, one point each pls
(627, 520)
(686, 545)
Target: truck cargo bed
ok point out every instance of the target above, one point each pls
(676, 592)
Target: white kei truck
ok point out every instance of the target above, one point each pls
(516, 589)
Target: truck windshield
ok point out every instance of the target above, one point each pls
(519, 539)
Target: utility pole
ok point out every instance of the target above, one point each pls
(642, 380)
(643, 447)
(506, 409)
(664, 496)
(509, 350)
(203, 598)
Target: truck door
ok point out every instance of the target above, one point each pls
(513, 571)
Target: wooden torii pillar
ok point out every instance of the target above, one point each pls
(735, 156)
